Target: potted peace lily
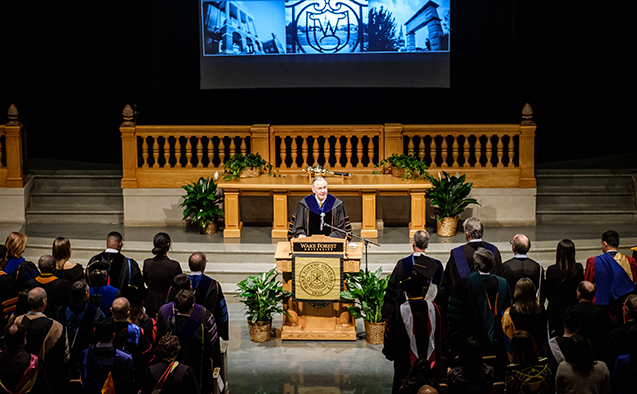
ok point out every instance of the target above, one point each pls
(449, 198)
(202, 204)
(263, 296)
(249, 165)
(405, 166)
(367, 291)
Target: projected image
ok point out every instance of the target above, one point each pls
(324, 26)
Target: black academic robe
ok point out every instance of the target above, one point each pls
(120, 273)
(452, 277)
(13, 364)
(181, 380)
(518, 268)
(306, 220)
(58, 291)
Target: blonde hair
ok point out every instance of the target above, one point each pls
(61, 252)
(15, 244)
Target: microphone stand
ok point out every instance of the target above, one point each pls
(365, 240)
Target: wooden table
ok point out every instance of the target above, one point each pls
(330, 321)
(367, 186)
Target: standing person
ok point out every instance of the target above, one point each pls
(597, 323)
(58, 290)
(528, 374)
(461, 263)
(560, 286)
(472, 375)
(521, 266)
(122, 271)
(9, 290)
(306, 219)
(159, 274)
(17, 267)
(20, 371)
(169, 376)
(580, 373)
(64, 269)
(403, 269)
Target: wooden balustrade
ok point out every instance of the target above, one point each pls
(11, 151)
(495, 155)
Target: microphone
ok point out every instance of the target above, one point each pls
(322, 218)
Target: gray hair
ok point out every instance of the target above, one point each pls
(421, 239)
(521, 243)
(318, 178)
(36, 297)
(473, 227)
(483, 259)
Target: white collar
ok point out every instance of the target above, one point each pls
(417, 254)
(319, 201)
(110, 250)
(196, 273)
(520, 256)
(476, 240)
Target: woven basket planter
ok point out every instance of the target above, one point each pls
(397, 172)
(210, 228)
(447, 227)
(260, 331)
(375, 333)
(250, 173)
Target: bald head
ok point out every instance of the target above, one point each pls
(197, 262)
(427, 390)
(37, 299)
(120, 309)
(585, 291)
(46, 264)
(521, 244)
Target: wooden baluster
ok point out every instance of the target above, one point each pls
(178, 152)
(500, 151)
(166, 153)
(145, 152)
(454, 152)
(156, 151)
(337, 150)
(295, 153)
(188, 153)
(222, 152)
(211, 153)
(511, 151)
(359, 152)
(444, 152)
(244, 146)
(348, 151)
(233, 146)
(478, 151)
(283, 152)
(432, 149)
(315, 150)
(304, 152)
(199, 153)
(489, 152)
(326, 151)
(421, 148)
(370, 151)
(410, 144)
(465, 151)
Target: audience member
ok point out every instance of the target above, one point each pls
(528, 373)
(122, 271)
(169, 376)
(625, 371)
(525, 314)
(419, 379)
(64, 269)
(472, 375)
(20, 371)
(615, 343)
(159, 273)
(580, 373)
(596, 323)
(461, 263)
(394, 295)
(46, 339)
(413, 328)
(521, 266)
(101, 294)
(560, 286)
(137, 315)
(17, 267)
(9, 290)
(613, 274)
(106, 369)
(58, 290)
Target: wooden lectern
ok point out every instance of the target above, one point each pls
(315, 320)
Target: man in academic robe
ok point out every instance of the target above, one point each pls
(613, 274)
(521, 266)
(316, 210)
(122, 271)
(58, 290)
(461, 264)
(21, 371)
(394, 295)
(170, 376)
(413, 328)
(101, 294)
(597, 322)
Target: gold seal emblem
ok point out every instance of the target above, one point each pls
(317, 278)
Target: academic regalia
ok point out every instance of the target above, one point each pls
(58, 291)
(208, 293)
(20, 370)
(21, 270)
(9, 292)
(460, 264)
(107, 370)
(79, 319)
(522, 267)
(159, 275)
(306, 219)
(122, 270)
(179, 379)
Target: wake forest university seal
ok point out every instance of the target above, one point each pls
(317, 277)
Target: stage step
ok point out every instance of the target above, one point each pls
(74, 196)
(586, 196)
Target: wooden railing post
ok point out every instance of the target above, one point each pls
(129, 150)
(393, 139)
(527, 148)
(13, 149)
(260, 141)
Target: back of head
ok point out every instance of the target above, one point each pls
(421, 239)
(631, 306)
(579, 353)
(586, 291)
(79, 289)
(15, 244)
(105, 330)
(120, 308)
(14, 335)
(98, 273)
(3, 252)
(61, 251)
(36, 298)
(46, 264)
(161, 244)
(470, 357)
(611, 237)
(113, 240)
(473, 228)
(483, 260)
(525, 297)
(427, 389)
(521, 244)
(524, 348)
(197, 262)
(184, 301)
(181, 282)
(572, 318)
(565, 258)
(168, 347)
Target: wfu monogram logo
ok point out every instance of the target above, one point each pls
(323, 25)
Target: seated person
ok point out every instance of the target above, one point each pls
(316, 210)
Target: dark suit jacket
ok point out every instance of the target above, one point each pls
(518, 268)
(595, 326)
